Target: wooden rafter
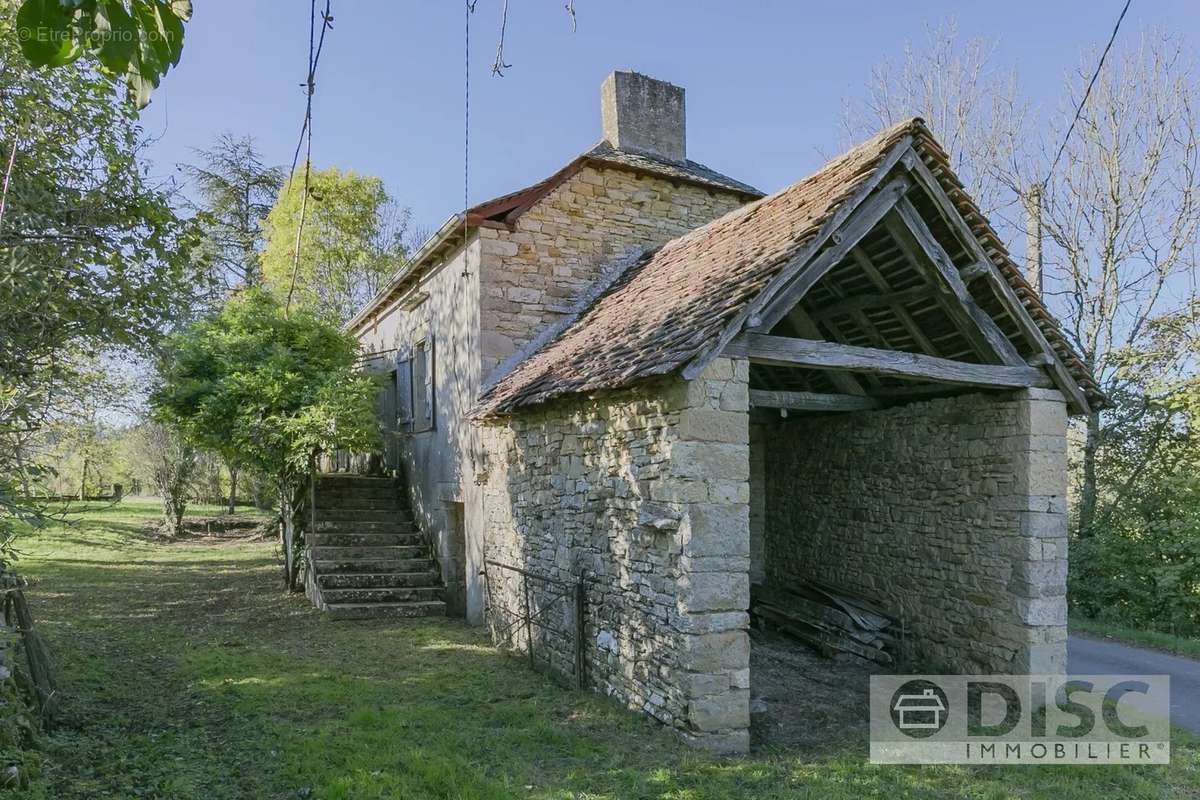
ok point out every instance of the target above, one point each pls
(786, 351)
(751, 314)
(1063, 380)
(857, 225)
(864, 302)
(811, 401)
(806, 328)
(898, 301)
(989, 341)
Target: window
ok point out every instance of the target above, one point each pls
(422, 386)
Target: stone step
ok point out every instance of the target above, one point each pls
(365, 504)
(354, 478)
(374, 566)
(394, 490)
(356, 526)
(361, 515)
(361, 503)
(378, 580)
(393, 594)
(425, 608)
(366, 539)
(368, 553)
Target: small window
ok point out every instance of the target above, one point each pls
(422, 386)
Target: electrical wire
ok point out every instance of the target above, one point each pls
(1087, 93)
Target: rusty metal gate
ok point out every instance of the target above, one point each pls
(539, 597)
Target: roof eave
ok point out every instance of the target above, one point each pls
(434, 244)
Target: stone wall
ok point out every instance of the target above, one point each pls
(950, 513)
(442, 309)
(644, 492)
(490, 300)
(532, 275)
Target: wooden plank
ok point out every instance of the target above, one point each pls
(784, 351)
(821, 636)
(973, 271)
(897, 308)
(862, 302)
(811, 401)
(785, 275)
(857, 225)
(808, 329)
(1063, 380)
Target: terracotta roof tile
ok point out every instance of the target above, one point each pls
(664, 312)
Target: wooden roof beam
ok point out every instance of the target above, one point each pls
(811, 401)
(784, 351)
(862, 302)
(808, 329)
(897, 306)
(1063, 380)
(857, 225)
(911, 232)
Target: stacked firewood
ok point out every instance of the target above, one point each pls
(833, 621)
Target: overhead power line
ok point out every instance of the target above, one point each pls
(315, 45)
(1087, 93)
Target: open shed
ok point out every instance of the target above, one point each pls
(847, 383)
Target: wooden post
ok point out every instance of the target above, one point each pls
(1033, 238)
(580, 599)
(528, 617)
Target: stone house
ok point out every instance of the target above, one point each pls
(646, 373)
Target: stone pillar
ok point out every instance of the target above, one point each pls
(758, 503)
(1039, 575)
(710, 467)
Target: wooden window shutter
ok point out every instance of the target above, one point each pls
(404, 394)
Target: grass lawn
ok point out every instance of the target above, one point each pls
(1180, 645)
(187, 673)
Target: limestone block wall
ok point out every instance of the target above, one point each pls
(646, 493)
(530, 276)
(950, 513)
(436, 460)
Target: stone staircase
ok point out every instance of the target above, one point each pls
(369, 560)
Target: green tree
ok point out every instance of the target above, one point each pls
(268, 391)
(351, 241)
(138, 40)
(236, 191)
(92, 254)
(168, 462)
(1139, 562)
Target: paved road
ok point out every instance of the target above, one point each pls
(1088, 656)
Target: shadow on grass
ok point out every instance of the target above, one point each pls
(192, 676)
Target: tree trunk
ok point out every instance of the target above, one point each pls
(173, 509)
(1087, 494)
(233, 479)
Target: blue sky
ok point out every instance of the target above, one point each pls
(765, 80)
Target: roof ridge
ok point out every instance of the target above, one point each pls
(659, 317)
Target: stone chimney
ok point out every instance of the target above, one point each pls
(643, 115)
